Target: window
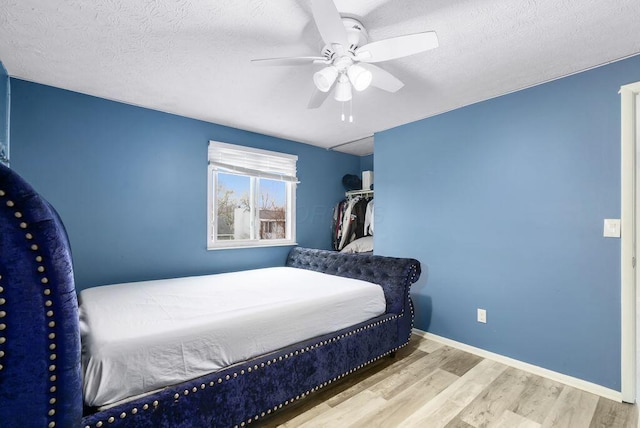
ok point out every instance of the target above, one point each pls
(251, 199)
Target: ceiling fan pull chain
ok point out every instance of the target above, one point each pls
(342, 104)
(351, 110)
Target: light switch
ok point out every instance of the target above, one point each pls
(611, 228)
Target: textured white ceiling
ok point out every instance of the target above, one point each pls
(192, 58)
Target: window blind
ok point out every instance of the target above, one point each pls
(250, 161)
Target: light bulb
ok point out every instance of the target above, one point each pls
(324, 78)
(360, 77)
(343, 89)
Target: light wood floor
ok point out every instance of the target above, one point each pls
(431, 385)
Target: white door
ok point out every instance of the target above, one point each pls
(637, 217)
(630, 223)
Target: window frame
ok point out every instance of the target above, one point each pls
(212, 210)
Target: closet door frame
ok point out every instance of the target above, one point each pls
(630, 124)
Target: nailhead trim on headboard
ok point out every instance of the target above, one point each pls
(48, 309)
(3, 314)
(3, 311)
(3, 324)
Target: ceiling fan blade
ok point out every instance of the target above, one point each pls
(294, 60)
(317, 99)
(397, 47)
(329, 22)
(383, 79)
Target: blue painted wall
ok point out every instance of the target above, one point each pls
(503, 203)
(131, 184)
(5, 107)
(366, 163)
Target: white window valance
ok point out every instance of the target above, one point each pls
(253, 162)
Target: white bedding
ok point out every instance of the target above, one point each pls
(138, 337)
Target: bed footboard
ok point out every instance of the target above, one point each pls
(394, 275)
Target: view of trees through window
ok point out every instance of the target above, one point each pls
(236, 207)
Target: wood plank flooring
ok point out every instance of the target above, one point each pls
(435, 386)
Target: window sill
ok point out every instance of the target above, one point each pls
(229, 246)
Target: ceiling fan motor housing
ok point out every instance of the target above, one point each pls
(356, 33)
(356, 36)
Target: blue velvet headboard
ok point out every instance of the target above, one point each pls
(36, 291)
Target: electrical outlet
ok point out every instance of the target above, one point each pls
(482, 315)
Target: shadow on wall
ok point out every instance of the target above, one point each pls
(422, 301)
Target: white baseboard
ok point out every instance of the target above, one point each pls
(549, 374)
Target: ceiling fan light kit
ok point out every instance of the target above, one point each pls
(343, 89)
(324, 78)
(360, 77)
(348, 55)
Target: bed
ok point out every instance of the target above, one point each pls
(41, 367)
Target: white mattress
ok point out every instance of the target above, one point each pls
(139, 337)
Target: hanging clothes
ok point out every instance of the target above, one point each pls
(349, 221)
(368, 219)
(336, 226)
(359, 210)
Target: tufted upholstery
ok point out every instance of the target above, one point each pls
(393, 274)
(252, 390)
(40, 374)
(39, 347)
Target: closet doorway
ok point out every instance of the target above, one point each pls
(630, 225)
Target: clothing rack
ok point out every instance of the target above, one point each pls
(352, 218)
(353, 193)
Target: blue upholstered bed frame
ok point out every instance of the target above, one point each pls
(40, 369)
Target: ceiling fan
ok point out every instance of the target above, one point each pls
(348, 55)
